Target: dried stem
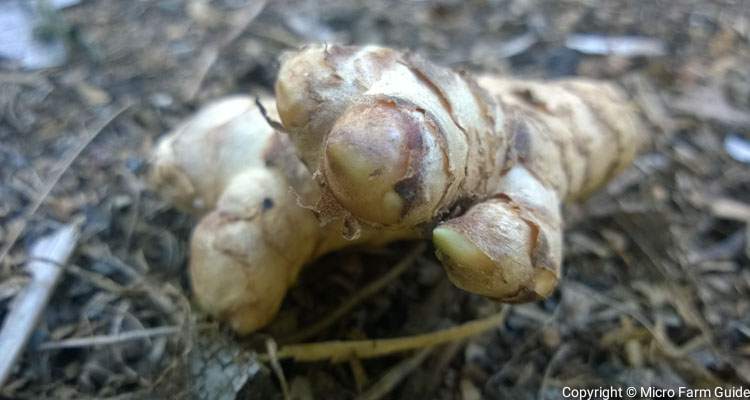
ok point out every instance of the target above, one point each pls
(101, 340)
(338, 351)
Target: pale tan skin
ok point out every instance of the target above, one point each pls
(396, 147)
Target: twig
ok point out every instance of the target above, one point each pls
(62, 167)
(362, 295)
(210, 54)
(395, 375)
(276, 366)
(100, 340)
(338, 351)
(45, 261)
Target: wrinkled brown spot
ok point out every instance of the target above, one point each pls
(409, 190)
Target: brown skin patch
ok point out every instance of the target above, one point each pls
(528, 97)
(410, 188)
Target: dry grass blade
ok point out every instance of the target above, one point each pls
(360, 296)
(395, 375)
(46, 258)
(338, 351)
(110, 339)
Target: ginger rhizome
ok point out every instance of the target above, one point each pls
(389, 146)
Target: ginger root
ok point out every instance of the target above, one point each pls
(388, 146)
